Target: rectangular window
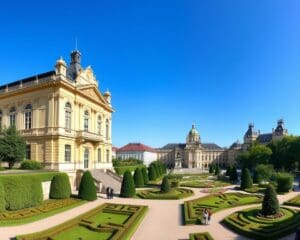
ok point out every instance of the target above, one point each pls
(68, 120)
(28, 152)
(86, 124)
(99, 154)
(67, 153)
(12, 119)
(28, 120)
(107, 156)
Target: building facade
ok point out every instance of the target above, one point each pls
(137, 151)
(64, 118)
(193, 153)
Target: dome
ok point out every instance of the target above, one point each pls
(193, 136)
(193, 131)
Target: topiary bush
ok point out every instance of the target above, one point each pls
(228, 170)
(87, 188)
(217, 170)
(138, 178)
(128, 186)
(246, 180)
(145, 176)
(165, 185)
(60, 187)
(211, 168)
(2, 199)
(284, 182)
(152, 173)
(233, 174)
(30, 164)
(270, 204)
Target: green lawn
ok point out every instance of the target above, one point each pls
(294, 201)
(250, 224)
(192, 209)
(46, 209)
(106, 222)
(175, 193)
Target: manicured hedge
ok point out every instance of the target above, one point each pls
(128, 186)
(60, 187)
(165, 185)
(173, 194)
(87, 188)
(30, 164)
(284, 182)
(122, 169)
(201, 236)
(145, 175)
(138, 178)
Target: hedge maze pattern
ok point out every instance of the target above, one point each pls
(294, 201)
(193, 209)
(175, 193)
(250, 224)
(201, 236)
(103, 221)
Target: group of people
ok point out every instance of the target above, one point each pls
(109, 193)
(206, 216)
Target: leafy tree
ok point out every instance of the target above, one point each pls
(12, 146)
(217, 170)
(228, 170)
(263, 172)
(211, 168)
(145, 176)
(165, 185)
(152, 173)
(233, 174)
(284, 182)
(87, 188)
(128, 187)
(60, 187)
(270, 204)
(246, 180)
(138, 178)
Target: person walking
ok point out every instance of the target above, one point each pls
(209, 215)
(111, 193)
(205, 216)
(107, 192)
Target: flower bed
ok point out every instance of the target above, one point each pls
(250, 224)
(109, 221)
(216, 202)
(175, 193)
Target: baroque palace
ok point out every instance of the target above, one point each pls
(64, 118)
(195, 154)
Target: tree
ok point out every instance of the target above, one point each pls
(12, 146)
(152, 173)
(211, 168)
(228, 170)
(60, 187)
(145, 176)
(217, 170)
(128, 187)
(246, 180)
(165, 185)
(138, 178)
(263, 172)
(284, 182)
(87, 188)
(270, 204)
(233, 174)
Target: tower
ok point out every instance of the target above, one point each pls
(75, 66)
(250, 136)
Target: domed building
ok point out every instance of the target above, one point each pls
(193, 153)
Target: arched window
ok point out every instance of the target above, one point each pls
(107, 129)
(99, 124)
(68, 110)
(12, 116)
(28, 116)
(0, 119)
(86, 121)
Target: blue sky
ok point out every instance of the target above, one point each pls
(218, 64)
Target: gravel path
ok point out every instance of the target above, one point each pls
(162, 221)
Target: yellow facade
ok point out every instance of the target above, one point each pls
(63, 116)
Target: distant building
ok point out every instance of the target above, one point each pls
(138, 151)
(193, 153)
(114, 152)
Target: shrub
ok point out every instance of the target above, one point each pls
(60, 187)
(138, 178)
(30, 164)
(228, 170)
(128, 187)
(175, 184)
(2, 199)
(270, 204)
(211, 168)
(152, 173)
(284, 182)
(165, 185)
(263, 172)
(217, 170)
(233, 174)
(87, 188)
(145, 176)
(246, 180)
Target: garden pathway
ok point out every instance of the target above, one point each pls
(162, 221)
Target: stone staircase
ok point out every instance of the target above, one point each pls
(106, 179)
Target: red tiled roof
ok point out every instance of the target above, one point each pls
(136, 147)
(114, 149)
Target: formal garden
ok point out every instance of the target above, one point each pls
(109, 221)
(200, 236)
